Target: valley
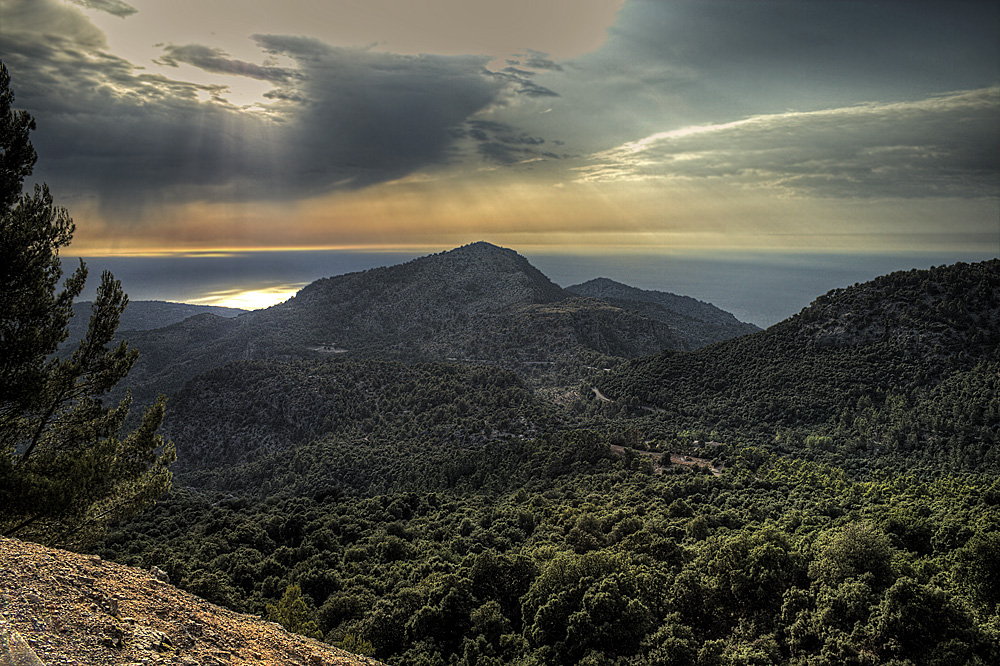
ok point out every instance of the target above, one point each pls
(456, 461)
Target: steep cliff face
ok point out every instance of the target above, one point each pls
(81, 610)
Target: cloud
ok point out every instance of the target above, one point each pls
(539, 60)
(504, 144)
(361, 117)
(521, 70)
(941, 146)
(113, 7)
(837, 47)
(110, 130)
(338, 118)
(671, 64)
(521, 79)
(218, 61)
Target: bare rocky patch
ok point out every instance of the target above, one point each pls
(80, 610)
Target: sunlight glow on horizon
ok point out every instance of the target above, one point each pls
(597, 243)
(252, 299)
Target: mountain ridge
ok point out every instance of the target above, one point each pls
(147, 315)
(603, 287)
(856, 359)
(478, 302)
(699, 323)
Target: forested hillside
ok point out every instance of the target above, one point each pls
(301, 427)
(698, 323)
(907, 363)
(555, 551)
(454, 513)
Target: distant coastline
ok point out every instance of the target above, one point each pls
(758, 288)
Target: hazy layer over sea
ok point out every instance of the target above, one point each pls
(761, 288)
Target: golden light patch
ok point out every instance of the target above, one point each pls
(251, 299)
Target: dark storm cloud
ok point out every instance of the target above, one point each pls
(485, 129)
(365, 117)
(669, 64)
(532, 89)
(503, 144)
(850, 51)
(340, 117)
(502, 153)
(514, 71)
(113, 7)
(218, 61)
(107, 129)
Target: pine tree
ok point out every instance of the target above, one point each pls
(66, 465)
(293, 614)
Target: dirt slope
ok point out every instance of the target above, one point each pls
(81, 610)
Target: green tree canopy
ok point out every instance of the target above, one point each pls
(65, 465)
(293, 613)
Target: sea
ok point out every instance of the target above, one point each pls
(762, 288)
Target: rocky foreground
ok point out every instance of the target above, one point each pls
(83, 611)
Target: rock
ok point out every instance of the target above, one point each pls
(152, 640)
(114, 638)
(186, 641)
(69, 623)
(111, 606)
(14, 651)
(159, 574)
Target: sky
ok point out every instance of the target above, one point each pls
(644, 130)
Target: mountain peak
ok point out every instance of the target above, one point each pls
(489, 257)
(419, 297)
(479, 247)
(602, 282)
(483, 251)
(482, 269)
